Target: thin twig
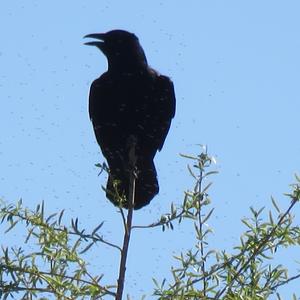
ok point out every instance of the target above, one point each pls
(107, 243)
(82, 235)
(123, 217)
(285, 282)
(200, 198)
(159, 223)
(40, 290)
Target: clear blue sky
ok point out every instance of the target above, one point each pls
(236, 70)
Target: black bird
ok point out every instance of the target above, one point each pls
(129, 102)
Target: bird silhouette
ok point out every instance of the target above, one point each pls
(129, 104)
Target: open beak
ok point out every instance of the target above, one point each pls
(97, 36)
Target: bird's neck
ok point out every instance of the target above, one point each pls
(126, 65)
(121, 69)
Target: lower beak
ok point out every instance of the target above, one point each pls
(97, 36)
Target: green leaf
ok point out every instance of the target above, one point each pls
(50, 217)
(275, 205)
(12, 225)
(208, 215)
(97, 228)
(188, 156)
(87, 248)
(60, 216)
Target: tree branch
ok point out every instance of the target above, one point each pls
(128, 225)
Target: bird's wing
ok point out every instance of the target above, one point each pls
(93, 96)
(166, 106)
(100, 112)
(100, 101)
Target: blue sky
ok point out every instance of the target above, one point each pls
(236, 69)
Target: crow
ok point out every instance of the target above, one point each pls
(129, 104)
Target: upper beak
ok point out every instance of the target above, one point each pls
(98, 36)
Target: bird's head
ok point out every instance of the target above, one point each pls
(121, 48)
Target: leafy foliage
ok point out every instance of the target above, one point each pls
(204, 273)
(57, 267)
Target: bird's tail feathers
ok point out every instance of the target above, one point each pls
(146, 185)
